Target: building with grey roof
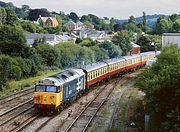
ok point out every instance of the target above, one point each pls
(170, 38)
(51, 39)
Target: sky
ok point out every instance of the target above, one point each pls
(120, 9)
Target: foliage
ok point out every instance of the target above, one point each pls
(112, 49)
(176, 26)
(100, 53)
(118, 27)
(35, 13)
(31, 27)
(163, 25)
(123, 40)
(161, 86)
(53, 30)
(9, 69)
(73, 16)
(12, 40)
(11, 16)
(144, 22)
(7, 16)
(20, 84)
(145, 43)
(3, 15)
(174, 17)
(72, 54)
(49, 54)
(85, 18)
(88, 42)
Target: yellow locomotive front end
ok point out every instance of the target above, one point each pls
(47, 98)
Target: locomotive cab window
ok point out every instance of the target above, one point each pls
(40, 88)
(51, 89)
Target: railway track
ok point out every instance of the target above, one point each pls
(16, 95)
(14, 117)
(84, 119)
(25, 123)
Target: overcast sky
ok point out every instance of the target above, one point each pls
(110, 8)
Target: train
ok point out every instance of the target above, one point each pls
(53, 93)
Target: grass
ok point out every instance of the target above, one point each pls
(18, 85)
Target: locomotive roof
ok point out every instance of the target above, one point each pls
(62, 77)
(94, 66)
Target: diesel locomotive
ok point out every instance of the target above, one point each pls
(55, 92)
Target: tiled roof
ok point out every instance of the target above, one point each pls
(71, 23)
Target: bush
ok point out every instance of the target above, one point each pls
(161, 84)
(9, 69)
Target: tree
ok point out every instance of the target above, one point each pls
(88, 24)
(100, 53)
(12, 41)
(144, 22)
(132, 27)
(88, 42)
(145, 43)
(86, 56)
(123, 40)
(73, 16)
(25, 8)
(112, 23)
(176, 26)
(85, 18)
(9, 69)
(132, 19)
(118, 27)
(20, 13)
(173, 17)
(3, 15)
(35, 13)
(73, 54)
(50, 54)
(11, 17)
(113, 50)
(28, 26)
(163, 25)
(161, 86)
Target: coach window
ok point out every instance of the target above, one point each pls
(94, 74)
(88, 76)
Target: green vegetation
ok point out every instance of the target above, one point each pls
(168, 24)
(161, 85)
(149, 42)
(123, 39)
(17, 85)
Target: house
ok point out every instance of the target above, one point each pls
(71, 25)
(51, 39)
(74, 26)
(136, 49)
(80, 25)
(48, 21)
(170, 38)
